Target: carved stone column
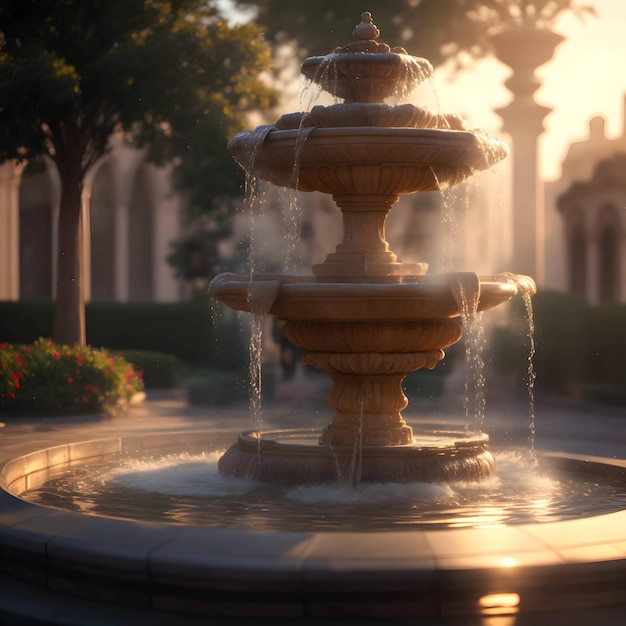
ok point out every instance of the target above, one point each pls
(367, 362)
(524, 49)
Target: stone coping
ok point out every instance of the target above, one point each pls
(299, 575)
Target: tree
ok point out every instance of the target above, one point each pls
(435, 29)
(169, 73)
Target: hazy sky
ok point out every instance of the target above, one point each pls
(586, 77)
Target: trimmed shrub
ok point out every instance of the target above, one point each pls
(159, 370)
(216, 388)
(607, 344)
(183, 329)
(562, 322)
(26, 320)
(605, 393)
(49, 379)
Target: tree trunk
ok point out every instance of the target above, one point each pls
(69, 318)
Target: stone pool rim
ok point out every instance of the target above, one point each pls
(243, 573)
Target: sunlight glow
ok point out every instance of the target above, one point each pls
(499, 603)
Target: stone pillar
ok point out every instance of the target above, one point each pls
(524, 49)
(10, 178)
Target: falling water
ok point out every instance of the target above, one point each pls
(475, 343)
(255, 373)
(261, 296)
(531, 369)
(448, 227)
(526, 287)
(465, 288)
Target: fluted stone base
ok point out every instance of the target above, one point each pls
(294, 457)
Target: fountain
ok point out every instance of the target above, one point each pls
(367, 319)
(363, 316)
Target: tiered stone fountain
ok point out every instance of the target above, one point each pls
(363, 316)
(367, 319)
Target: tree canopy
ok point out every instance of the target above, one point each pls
(171, 74)
(435, 29)
(170, 71)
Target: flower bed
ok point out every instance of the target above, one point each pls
(44, 378)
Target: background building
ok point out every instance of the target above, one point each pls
(130, 215)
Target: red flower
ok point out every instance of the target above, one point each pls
(79, 359)
(70, 379)
(57, 355)
(15, 375)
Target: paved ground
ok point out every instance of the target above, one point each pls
(560, 424)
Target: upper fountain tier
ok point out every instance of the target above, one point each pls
(365, 70)
(363, 145)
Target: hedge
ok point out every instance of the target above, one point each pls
(183, 329)
(578, 346)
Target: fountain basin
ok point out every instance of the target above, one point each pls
(365, 160)
(303, 575)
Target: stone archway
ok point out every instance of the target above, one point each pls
(577, 251)
(35, 234)
(141, 238)
(102, 234)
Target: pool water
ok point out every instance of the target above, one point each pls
(186, 488)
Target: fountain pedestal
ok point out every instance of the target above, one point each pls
(364, 254)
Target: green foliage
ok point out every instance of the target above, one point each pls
(165, 70)
(182, 329)
(607, 344)
(435, 29)
(562, 323)
(578, 347)
(196, 258)
(23, 321)
(605, 393)
(49, 379)
(171, 74)
(216, 388)
(159, 370)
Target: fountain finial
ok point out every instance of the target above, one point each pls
(366, 30)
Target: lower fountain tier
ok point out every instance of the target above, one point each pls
(301, 298)
(295, 457)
